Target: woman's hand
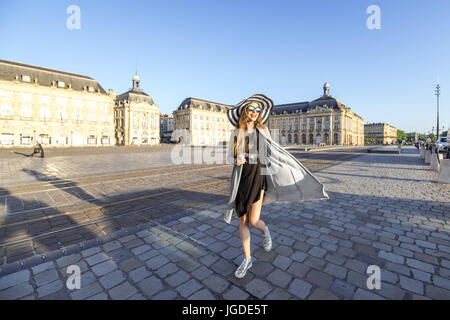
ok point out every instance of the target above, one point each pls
(240, 159)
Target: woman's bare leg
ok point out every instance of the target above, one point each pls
(252, 218)
(244, 232)
(255, 212)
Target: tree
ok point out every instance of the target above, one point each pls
(401, 135)
(422, 137)
(432, 136)
(410, 136)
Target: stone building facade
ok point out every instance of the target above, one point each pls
(205, 122)
(66, 109)
(136, 117)
(165, 127)
(380, 133)
(325, 120)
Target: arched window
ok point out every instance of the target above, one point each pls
(318, 139)
(335, 139)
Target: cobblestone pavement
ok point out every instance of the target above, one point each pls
(384, 210)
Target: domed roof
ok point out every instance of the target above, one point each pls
(136, 77)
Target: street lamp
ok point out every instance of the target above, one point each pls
(438, 93)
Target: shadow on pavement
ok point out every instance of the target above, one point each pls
(28, 155)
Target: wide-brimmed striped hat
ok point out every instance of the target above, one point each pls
(234, 113)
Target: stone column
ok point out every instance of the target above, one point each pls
(127, 125)
(331, 129)
(191, 122)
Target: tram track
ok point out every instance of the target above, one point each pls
(106, 205)
(153, 181)
(86, 225)
(115, 216)
(63, 184)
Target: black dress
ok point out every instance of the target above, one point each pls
(251, 183)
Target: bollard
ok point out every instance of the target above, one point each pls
(434, 163)
(444, 171)
(427, 156)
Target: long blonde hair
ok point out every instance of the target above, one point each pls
(244, 119)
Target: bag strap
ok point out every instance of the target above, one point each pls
(257, 141)
(246, 144)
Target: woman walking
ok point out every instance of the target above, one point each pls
(263, 172)
(252, 185)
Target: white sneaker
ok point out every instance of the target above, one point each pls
(242, 270)
(267, 240)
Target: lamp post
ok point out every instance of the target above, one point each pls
(438, 93)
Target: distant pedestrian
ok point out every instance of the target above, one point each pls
(38, 147)
(428, 144)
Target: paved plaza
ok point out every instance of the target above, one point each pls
(384, 209)
(16, 167)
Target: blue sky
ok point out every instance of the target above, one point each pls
(226, 51)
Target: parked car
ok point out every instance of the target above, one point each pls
(441, 143)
